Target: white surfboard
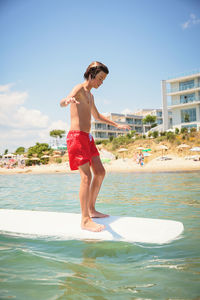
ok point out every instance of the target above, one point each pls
(67, 226)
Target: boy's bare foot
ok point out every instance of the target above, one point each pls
(97, 214)
(88, 224)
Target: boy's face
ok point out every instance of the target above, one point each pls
(98, 80)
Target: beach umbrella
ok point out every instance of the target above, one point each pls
(195, 149)
(146, 150)
(145, 154)
(183, 146)
(45, 156)
(162, 147)
(56, 155)
(62, 147)
(122, 150)
(34, 158)
(140, 148)
(57, 152)
(10, 155)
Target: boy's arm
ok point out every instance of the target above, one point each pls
(72, 97)
(103, 119)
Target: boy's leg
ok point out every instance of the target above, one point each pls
(99, 174)
(86, 222)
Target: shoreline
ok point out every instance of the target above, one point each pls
(175, 165)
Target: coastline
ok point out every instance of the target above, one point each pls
(175, 164)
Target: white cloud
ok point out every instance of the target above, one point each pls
(5, 87)
(20, 126)
(30, 118)
(193, 20)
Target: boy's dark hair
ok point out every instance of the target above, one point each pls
(94, 68)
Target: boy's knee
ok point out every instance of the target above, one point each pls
(86, 178)
(100, 173)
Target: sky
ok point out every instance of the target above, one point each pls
(46, 46)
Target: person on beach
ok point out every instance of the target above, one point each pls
(83, 154)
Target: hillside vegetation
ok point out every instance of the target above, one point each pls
(132, 141)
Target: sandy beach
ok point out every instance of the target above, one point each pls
(173, 164)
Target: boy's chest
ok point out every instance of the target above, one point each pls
(87, 98)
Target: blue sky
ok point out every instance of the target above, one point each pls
(46, 45)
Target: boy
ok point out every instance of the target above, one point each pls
(83, 154)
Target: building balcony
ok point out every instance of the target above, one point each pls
(189, 88)
(179, 103)
(184, 76)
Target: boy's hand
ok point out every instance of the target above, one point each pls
(70, 100)
(124, 127)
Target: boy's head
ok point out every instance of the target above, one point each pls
(93, 69)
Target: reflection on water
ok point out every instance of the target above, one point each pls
(48, 269)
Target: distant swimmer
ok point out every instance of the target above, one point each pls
(82, 151)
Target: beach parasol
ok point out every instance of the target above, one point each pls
(56, 155)
(45, 156)
(162, 147)
(62, 147)
(122, 150)
(146, 150)
(34, 158)
(145, 154)
(140, 148)
(195, 149)
(183, 146)
(56, 152)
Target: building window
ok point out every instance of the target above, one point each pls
(110, 127)
(188, 115)
(100, 126)
(186, 85)
(129, 120)
(187, 98)
(100, 135)
(138, 129)
(159, 121)
(189, 126)
(138, 121)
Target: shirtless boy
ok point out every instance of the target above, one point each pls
(83, 154)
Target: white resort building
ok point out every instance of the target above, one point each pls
(102, 131)
(182, 96)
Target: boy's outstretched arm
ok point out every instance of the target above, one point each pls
(103, 119)
(72, 97)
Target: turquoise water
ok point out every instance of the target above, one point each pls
(49, 269)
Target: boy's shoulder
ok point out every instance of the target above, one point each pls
(78, 88)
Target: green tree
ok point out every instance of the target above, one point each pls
(186, 118)
(6, 152)
(184, 130)
(57, 133)
(38, 149)
(176, 131)
(20, 150)
(155, 134)
(150, 120)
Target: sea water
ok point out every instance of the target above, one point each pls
(45, 268)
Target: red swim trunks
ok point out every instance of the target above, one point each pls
(81, 148)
